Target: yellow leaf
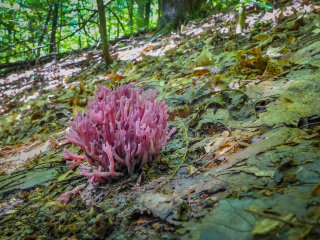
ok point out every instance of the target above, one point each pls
(206, 58)
(51, 203)
(68, 79)
(81, 85)
(316, 190)
(269, 226)
(14, 116)
(291, 40)
(130, 67)
(63, 176)
(200, 72)
(11, 211)
(212, 198)
(255, 52)
(261, 37)
(76, 108)
(72, 227)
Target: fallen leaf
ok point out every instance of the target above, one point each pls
(36, 116)
(316, 190)
(206, 58)
(81, 85)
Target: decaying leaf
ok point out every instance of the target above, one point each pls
(206, 58)
(316, 190)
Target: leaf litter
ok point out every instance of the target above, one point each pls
(243, 163)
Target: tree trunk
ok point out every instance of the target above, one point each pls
(79, 24)
(103, 33)
(131, 16)
(118, 22)
(175, 12)
(54, 28)
(130, 9)
(147, 16)
(43, 31)
(141, 11)
(60, 26)
(159, 12)
(242, 17)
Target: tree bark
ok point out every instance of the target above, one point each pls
(79, 17)
(54, 28)
(147, 16)
(175, 12)
(141, 11)
(103, 33)
(60, 26)
(242, 17)
(118, 23)
(130, 10)
(44, 29)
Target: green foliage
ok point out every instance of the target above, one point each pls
(219, 4)
(222, 4)
(262, 4)
(21, 23)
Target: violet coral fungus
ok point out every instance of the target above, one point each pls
(66, 196)
(121, 131)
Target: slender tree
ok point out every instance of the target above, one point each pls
(79, 24)
(60, 25)
(141, 12)
(54, 27)
(147, 13)
(242, 17)
(103, 33)
(44, 30)
(130, 10)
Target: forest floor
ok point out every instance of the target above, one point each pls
(244, 162)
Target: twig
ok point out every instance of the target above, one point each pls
(34, 226)
(199, 159)
(228, 226)
(116, 18)
(273, 217)
(12, 218)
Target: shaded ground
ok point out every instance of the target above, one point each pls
(243, 164)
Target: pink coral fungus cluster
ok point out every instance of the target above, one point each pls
(121, 131)
(66, 196)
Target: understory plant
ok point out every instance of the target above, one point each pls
(121, 131)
